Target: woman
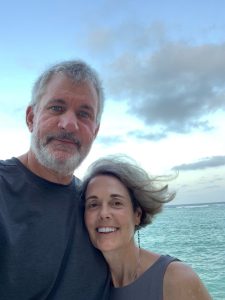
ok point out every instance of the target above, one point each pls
(121, 198)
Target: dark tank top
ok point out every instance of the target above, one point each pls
(149, 286)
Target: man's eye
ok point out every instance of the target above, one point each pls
(85, 114)
(56, 108)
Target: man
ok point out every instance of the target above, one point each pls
(45, 252)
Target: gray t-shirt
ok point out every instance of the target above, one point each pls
(149, 286)
(45, 252)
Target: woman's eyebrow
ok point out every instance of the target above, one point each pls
(92, 197)
(117, 196)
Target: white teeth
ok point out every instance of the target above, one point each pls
(106, 229)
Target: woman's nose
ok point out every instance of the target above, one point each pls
(105, 212)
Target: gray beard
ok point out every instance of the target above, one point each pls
(47, 159)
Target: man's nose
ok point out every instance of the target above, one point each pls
(68, 121)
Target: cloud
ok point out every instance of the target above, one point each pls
(212, 186)
(166, 81)
(176, 87)
(153, 136)
(208, 162)
(109, 140)
(113, 41)
(137, 134)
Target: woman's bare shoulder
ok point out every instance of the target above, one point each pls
(181, 282)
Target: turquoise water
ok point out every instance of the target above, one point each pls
(196, 235)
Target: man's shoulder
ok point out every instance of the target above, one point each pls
(8, 164)
(10, 172)
(77, 181)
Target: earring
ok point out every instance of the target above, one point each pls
(139, 240)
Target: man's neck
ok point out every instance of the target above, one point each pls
(30, 162)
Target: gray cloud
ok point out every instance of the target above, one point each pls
(175, 87)
(215, 178)
(166, 81)
(115, 41)
(212, 186)
(208, 162)
(153, 136)
(138, 134)
(109, 140)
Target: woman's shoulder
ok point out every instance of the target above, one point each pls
(182, 282)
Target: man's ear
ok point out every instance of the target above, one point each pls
(96, 130)
(30, 118)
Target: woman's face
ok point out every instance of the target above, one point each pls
(109, 214)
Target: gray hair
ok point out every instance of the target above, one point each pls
(145, 191)
(76, 70)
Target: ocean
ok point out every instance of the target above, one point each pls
(196, 235)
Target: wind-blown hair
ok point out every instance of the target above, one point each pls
(78, 71)
(146, 192)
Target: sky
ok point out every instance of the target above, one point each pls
(162, 64)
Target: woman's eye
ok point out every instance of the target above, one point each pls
(91, 205)
(117, 203)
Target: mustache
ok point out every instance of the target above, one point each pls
(63, 136)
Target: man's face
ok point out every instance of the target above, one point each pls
(63, 124)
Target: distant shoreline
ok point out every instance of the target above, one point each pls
(195, 204)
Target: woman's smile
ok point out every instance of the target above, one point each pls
(109, 214)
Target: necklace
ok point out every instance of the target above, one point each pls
(122, 279)
(138, 266)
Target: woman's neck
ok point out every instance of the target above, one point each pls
(125, 265)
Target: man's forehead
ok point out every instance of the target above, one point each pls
(61, 90)
(64, 83)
